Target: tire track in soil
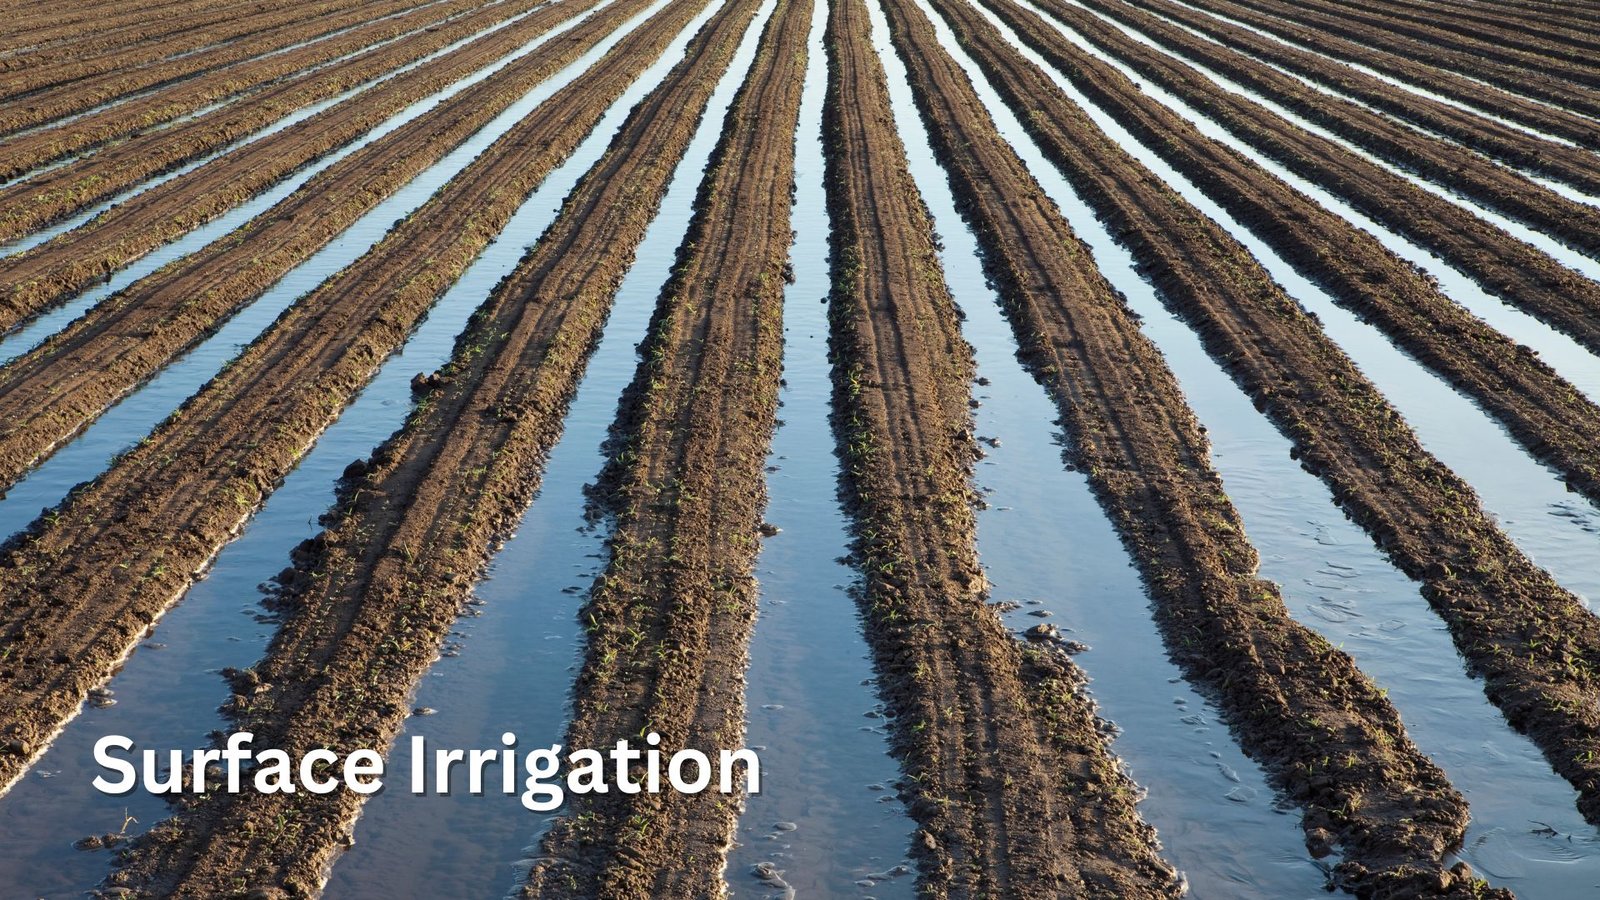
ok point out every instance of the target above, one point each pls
(89, 576)
(49, 197)
(1547, 415)
(32, 281)
(1013, 786)
(57, 388)
(1533, 642)
(439, 495)
(1392, 812)
(671, 617)
(36, 95)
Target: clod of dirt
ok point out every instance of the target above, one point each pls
(356, 470)
(1043, 632)
(424, 382)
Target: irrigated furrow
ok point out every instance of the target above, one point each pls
(1572, 126)
(1532, 45)
(408, 536)
(54, 271)
(1015, 792)
(89, 576)
(30, 91)
(1292, 699)
(1308, 26)
(1551, 418)
(57, 388)
(1440, 161)
(1515, 147)
(671, 617)
(90, 29)
(52, 196)
(1536, 645)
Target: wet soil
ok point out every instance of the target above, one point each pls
(91, 575)
(1007, 774)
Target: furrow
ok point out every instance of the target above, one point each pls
(89, 576)
(1532, 641)
(1013, 788)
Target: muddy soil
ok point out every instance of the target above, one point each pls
(1390, 809)
(51, 196)
(61, 267)
(88, 577)
(1510, 145)
(1008, 776)
(445, 489)
(70, 379)
(1578, 128)
(1533, 642)
(669, 634)
(40, 94)
(1307, 24)
(1547, 414)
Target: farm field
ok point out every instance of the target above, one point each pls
(1067, 448)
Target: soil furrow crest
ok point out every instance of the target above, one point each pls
(89, 576)
(1014, 790)
(1393, 812)
(1532, 641)
(52, 196)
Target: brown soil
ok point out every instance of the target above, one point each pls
(1443, 162)
(145, 150)
(57, 388)
(1534, 643)
(93, 29)
(1573, 165)
(1572, 126)
(58, 269)
(673, 613)
(410, 532)
(1549, 416)
(1528, 43)
(1293, 700)
(85, 581)
(1014, 789)
(29, 98)
(1515, 271)
(1311, 28)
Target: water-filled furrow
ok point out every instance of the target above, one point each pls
(1566, 190)
(157, 88)
(1189, 768)
(828, 822)
(512, 664)
(30, 241)
(1421, 90)
(1545, 243)
(28, 335)
(1334, 580)
(169, 698)
(1553, 526)
(1572, 361)
(88, 453)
